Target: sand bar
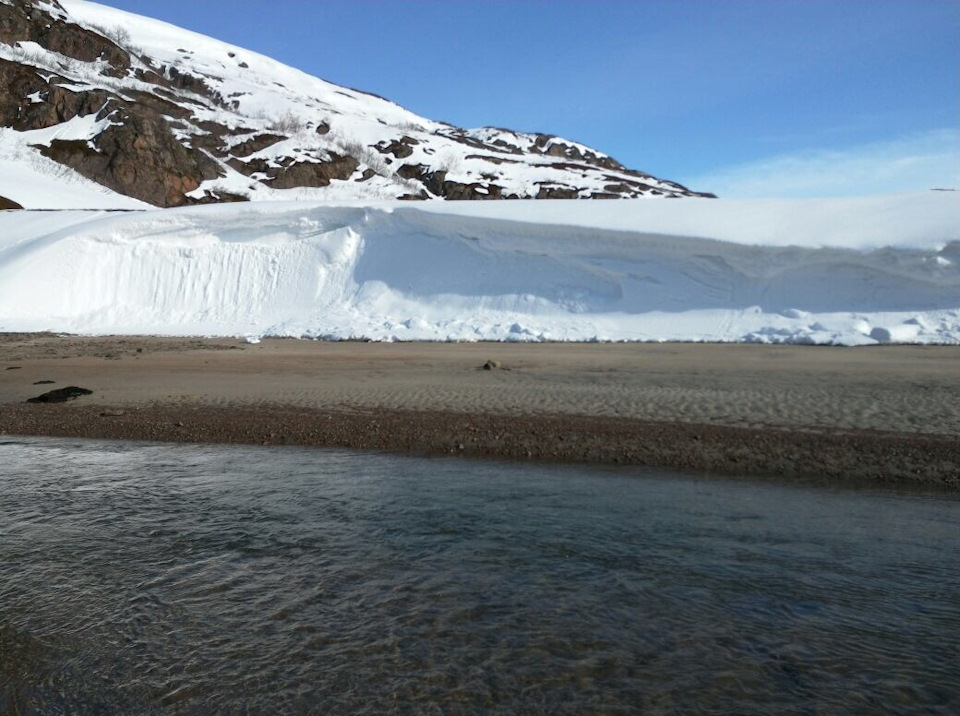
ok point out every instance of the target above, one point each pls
(885, 413)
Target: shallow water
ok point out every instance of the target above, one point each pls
(154, 578)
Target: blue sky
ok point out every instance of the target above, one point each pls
(741, 97)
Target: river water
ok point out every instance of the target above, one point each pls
(193, 579)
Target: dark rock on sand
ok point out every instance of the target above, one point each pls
(493, 365)
(61, 395)
(45, 382)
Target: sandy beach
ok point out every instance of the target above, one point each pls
(887, 413)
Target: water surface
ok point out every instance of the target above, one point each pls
(154, 578)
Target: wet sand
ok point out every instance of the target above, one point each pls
(879, 413)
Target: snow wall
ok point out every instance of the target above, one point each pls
(852, 271)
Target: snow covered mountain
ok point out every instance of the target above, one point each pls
(105, 109)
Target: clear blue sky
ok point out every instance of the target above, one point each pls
(745, 97)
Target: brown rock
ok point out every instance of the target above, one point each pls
(557, 191)
(255, 144)
(8, 204)
(308, 174)
(140, 158)
(400, 148)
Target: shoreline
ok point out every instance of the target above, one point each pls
(886, 415)
(834, 457)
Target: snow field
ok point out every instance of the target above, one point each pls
(830, 271)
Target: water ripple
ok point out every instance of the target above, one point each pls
(175, 579)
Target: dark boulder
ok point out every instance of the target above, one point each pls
(400, 148)
(61, 395)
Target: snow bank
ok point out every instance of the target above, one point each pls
(827, 271)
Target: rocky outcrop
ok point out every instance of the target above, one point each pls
(6, 204)
(25, 21)
(255, 144)
(139, 157)
(432, 180)
(399, 148)
(290, 175)
(55, 104)
(551, 146)
(312, 174)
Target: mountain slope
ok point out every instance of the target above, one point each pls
(168, 117)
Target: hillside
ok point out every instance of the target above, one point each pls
(105, 109)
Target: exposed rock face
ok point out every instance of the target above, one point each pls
(139, 158)
(308, 174)
(256, 144)
(6, 204)
(400, 148)
(298, 174)
(26, 21)
(137, 155)
(169, 126)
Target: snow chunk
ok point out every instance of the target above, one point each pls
(904, 333)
